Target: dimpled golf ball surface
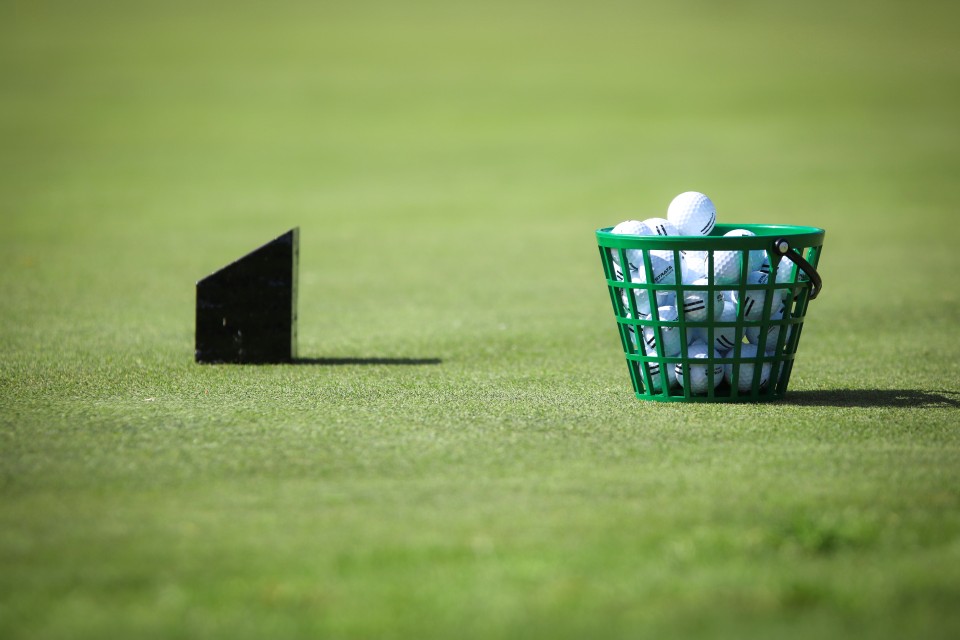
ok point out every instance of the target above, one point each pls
(656, 379)
(723, 337)
(661, 268)
(639, 297)
(669, 336)
(787, 271)
(668, 257)
(773, 332)
(692, 213)
(790, 274)
(642, 298)
(699, 379)
(747, 370)
(630, 228)
(726, 267)
(753, 299)
(693, 265)
(695, 303)
(661, 227)
(757, 256)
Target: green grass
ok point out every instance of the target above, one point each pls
(447, 164)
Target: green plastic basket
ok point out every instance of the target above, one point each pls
(761, 337)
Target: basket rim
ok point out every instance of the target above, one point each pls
(798, 236)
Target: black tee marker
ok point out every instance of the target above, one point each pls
(247, 311)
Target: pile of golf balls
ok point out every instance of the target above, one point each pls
(694, 214)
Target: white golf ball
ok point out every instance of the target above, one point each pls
(669, 336)
(787, 271)
(692, 213)
(666, 299)
(695, 303)
(773, 332)
(661, 227)
(624, 295)
(661, 268)
(694, 265)
(629, 228)
(643, 303)
(656, 379)
(631, 332)
(617, 272)
(642, 298)
(757, 256)
(662, 262)
(667, 256)
(753, 299)
(699, 379)
(744, 380)
(727, 267)
(723, 337)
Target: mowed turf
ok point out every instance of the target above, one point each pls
(447, 164)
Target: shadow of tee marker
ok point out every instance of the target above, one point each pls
(336, 362)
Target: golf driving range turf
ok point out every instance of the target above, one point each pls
(459, 453)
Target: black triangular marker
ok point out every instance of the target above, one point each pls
(247, 311)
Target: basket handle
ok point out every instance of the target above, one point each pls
(781, 247)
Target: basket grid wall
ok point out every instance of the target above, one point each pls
(774, 332)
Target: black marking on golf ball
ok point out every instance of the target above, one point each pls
(748, 307)
(706, 228)
(697, 305)
(661, 230)
(724, 341)
(663, 274)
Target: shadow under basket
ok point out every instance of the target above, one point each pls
(712, 318)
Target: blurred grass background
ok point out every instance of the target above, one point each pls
(447, 163)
